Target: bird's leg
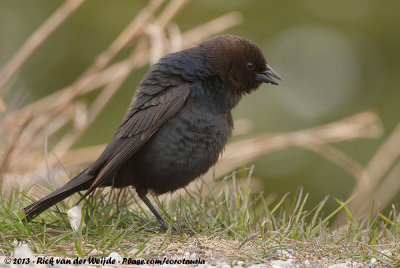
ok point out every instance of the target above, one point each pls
(142, 194)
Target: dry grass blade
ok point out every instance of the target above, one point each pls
(341, 159)
(3, 106)
(95, 81)
(212, 27)
(36, 40)
(385, 192)
(385, 156)
(130, 32)
(363, 125)
(8, 153)
(381, 189)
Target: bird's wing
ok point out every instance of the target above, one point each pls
(145, 117)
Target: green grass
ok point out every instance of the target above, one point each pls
(225, 217)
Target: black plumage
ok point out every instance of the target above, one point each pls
(179, 123)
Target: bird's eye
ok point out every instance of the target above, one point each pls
(251, 66)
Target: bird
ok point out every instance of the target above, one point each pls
(178, 124)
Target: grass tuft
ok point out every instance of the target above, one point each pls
(215, 213)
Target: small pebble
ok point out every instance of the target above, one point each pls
(193, 255)
(187, 254)
(373, 260)
(307, 262)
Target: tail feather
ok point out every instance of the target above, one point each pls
(81, 182)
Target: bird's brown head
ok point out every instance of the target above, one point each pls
(239, 62)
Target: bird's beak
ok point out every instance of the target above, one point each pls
(265, 77)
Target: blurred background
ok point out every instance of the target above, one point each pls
(336, 58)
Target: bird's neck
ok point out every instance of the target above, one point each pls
(214, 95)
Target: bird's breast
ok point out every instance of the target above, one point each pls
(194, 137)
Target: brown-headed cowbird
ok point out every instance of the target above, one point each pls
(179, 123)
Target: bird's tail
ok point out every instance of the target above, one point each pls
(81, 182)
